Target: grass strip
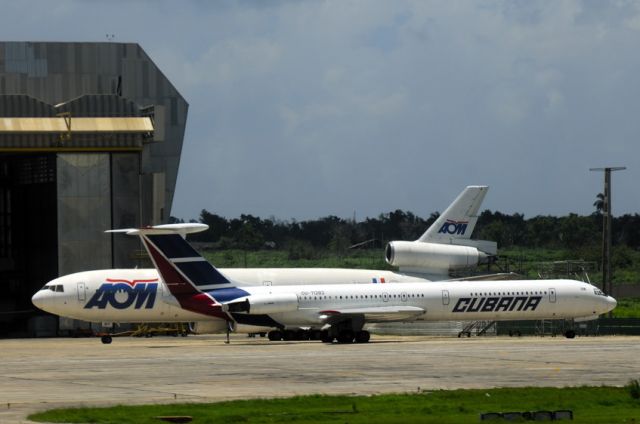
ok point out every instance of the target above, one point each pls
(589, 405)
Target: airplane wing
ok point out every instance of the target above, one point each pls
(372, 314)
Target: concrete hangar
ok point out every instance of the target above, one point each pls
(90, 139)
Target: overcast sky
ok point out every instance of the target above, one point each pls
(302, 109)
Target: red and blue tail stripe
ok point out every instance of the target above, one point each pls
(175, 260)
(189, 262)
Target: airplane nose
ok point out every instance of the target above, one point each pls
(611, 303)
(38, 299)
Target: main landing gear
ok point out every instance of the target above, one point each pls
(106, 339)
(343, 336)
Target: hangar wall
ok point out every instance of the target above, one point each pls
(84, 212)
(59, 72)
(60, 191)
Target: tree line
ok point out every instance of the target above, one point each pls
(338, 234)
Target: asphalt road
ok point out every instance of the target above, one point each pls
(38, 374)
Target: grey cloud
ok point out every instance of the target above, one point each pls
(304, 109)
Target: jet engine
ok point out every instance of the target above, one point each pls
(208, 327)
(415, 255)
(261, 304)
(248, 329)
(220, 326)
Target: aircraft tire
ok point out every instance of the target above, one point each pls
(325, 337)
(570, 334)
(315, 335)
(289, 335)
(106, 339)
(345, 336)
(275, 335)
(363, 337)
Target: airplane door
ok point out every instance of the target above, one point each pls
(385, 297)
(82, 295)
(552, 295)
(445, 297)
(403, 296)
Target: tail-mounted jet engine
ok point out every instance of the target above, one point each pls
(418, 256)
(265, 304)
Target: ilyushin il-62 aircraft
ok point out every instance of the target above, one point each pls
(195, 291)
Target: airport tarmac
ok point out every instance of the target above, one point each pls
(39, 374)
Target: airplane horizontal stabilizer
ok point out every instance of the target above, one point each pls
(182, 229)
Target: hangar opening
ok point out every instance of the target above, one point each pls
(28, 236)
(90, 139)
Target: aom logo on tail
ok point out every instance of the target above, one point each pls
(121, 294)
(454, 227)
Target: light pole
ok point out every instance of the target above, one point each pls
(606, 227)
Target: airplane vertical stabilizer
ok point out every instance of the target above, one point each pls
(459, 219)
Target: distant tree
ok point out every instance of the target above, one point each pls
(340, 239)
(542, 231)
(218, 227)
(248, 238)
(577, 231)
(599, 203)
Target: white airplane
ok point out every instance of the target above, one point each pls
(195, 291)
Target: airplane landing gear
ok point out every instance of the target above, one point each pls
(345, 336)
(326, 337)
(106, 339)
(570, 334)
(363, 336)
(275, 335)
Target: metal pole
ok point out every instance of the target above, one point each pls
(607, 285)
(606, 233)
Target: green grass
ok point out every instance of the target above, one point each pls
(628, 307)
(589, 405)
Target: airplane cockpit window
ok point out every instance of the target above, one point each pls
(54, 288)
(598, 292)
